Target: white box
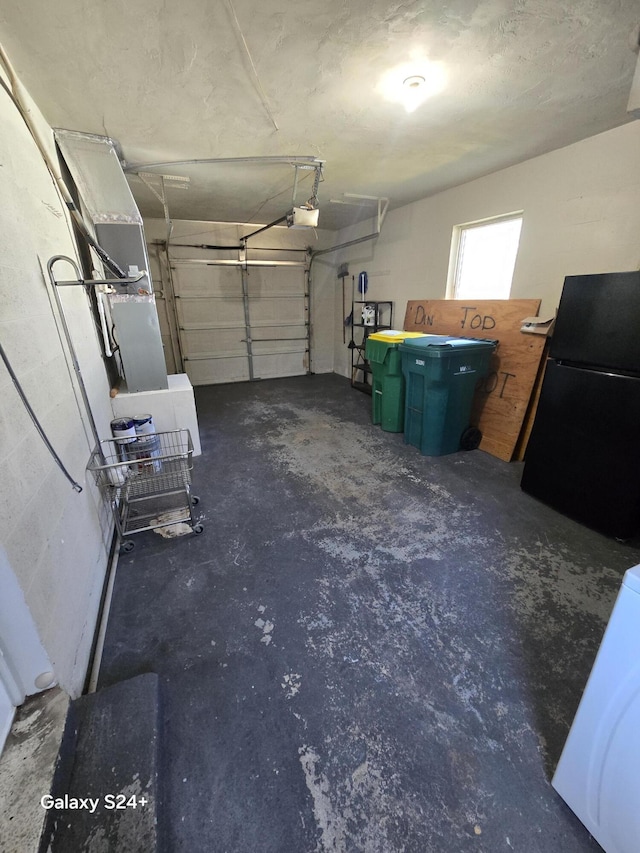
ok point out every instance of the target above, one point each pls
(172, 408)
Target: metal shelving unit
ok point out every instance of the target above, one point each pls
(378, 319)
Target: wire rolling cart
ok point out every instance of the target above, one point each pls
(147, 482)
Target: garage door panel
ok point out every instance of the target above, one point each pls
(202, 280)
(214, 342)
(276, 347)
(280, 332)
(217, 370)
(275, 366)
(266, 281)
(210, 312)
(274, 311)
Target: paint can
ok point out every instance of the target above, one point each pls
(144, 424)
(147, 444)
(147, 451)
(123, 430)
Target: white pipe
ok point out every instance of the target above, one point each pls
(102, 625)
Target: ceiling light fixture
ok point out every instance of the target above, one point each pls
(411, 83)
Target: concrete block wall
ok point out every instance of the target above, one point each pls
(55, 540)
(581, 215)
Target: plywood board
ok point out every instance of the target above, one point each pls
(521, 447)
(502, 398)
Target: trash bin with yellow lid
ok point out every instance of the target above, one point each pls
(387, 386)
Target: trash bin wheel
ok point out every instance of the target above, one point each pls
(471, 438)
(127, 546)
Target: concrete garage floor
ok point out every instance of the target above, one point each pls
(367, 649)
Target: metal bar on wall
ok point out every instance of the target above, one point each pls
(247, 316)
(208, 327)
(225, 262)
(214, 355)
(251, 296)
(281, 340)
(308, 309)
(207, 356)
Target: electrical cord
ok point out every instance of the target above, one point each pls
(77, 487)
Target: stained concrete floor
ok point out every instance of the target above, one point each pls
(27, 767)
(367, 649)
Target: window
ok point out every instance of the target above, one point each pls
(483, 258)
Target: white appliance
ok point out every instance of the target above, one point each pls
(598, 774)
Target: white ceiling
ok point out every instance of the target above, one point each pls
(172, 81)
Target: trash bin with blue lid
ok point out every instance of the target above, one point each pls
(441, 374)
(387, 380)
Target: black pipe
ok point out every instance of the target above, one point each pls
(207, 246)
(264, 227)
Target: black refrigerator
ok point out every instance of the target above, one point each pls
(583, 456)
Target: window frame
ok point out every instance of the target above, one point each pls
(456, 239)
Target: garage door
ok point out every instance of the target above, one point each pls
(240, 322)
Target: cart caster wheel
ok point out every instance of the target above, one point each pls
(127, 546)
(198, 528)
(195, 500)
(471, 438)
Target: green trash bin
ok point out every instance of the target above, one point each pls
(441, 374)
(387, 380)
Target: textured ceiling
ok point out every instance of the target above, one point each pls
(172, 81)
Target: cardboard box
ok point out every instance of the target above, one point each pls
(538, 325)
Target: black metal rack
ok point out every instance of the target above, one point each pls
(382, 319)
